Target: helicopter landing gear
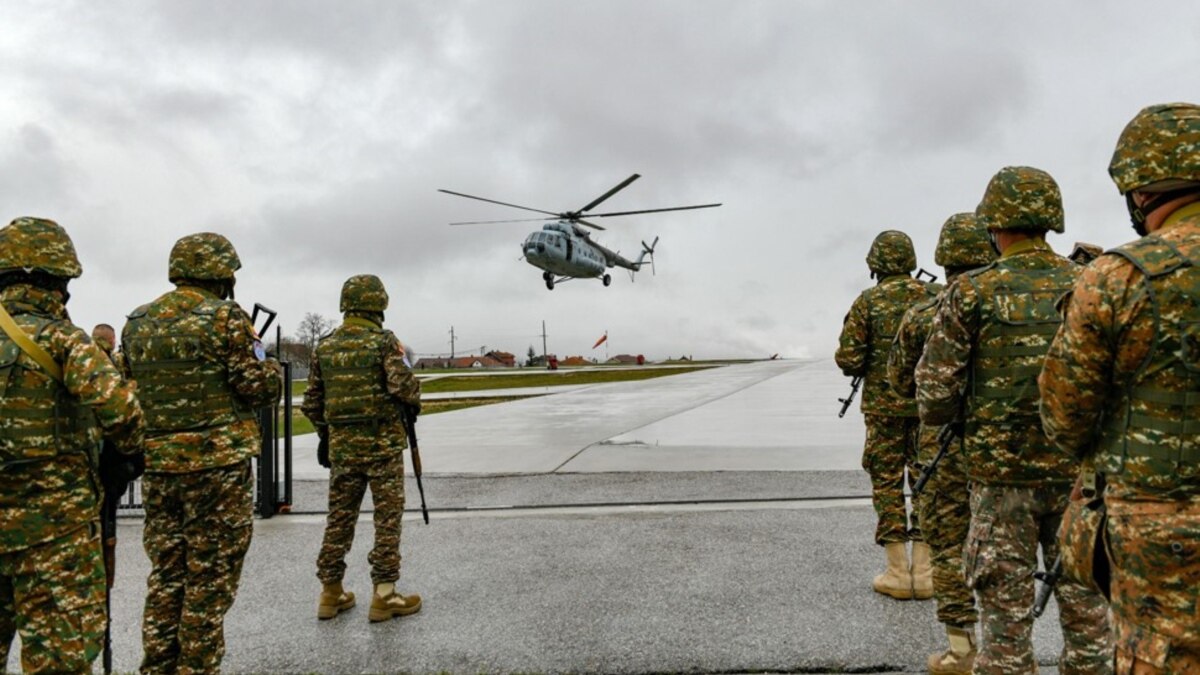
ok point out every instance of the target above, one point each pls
(549, 281)
(546, 276)
(607, 279)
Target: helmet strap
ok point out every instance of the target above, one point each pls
(995, 243)
(1138, 214)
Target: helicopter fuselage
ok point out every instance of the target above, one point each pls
(559, 250)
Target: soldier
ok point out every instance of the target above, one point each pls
(891, 421)
(58, 395)
(358, 382)
(979, 369)
(943, 507)
(201, 374)
(1119, 386)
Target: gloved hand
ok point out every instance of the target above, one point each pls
(323, 448)
(117, 471)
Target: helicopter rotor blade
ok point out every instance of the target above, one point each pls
(493, 201)
(620, 186)
(631, 213)
(490, 222)
(594, 226)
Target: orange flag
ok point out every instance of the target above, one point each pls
(600, 341)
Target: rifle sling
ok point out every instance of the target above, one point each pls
(31, 348)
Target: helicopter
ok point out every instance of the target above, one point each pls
(564, 250)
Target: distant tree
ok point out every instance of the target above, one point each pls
(311, 329)
(531, 354)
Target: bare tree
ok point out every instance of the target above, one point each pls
(311, 329)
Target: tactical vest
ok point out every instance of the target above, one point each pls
(180, 385)
(1018, 323)
(352, 371)
(1156, 419)
(39, 418)
(885, 324)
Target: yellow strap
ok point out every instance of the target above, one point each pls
(30, 347)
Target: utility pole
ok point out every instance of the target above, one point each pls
(451, 342)
(544, 357)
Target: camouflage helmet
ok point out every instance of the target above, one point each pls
(206, 256)
(1161, 144)
(892, 253)
(1021, 198)
(37, 244)
(363, 293)
(963, 243)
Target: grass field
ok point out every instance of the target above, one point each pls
(301, 425)
(453, 383)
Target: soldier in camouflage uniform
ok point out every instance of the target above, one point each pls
(979, 369)
(358, 383)
(201, 374)
(52, 417)
(891, 421)
(1120, 386)
(944, 507)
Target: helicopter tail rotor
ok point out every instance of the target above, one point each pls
(648, 252)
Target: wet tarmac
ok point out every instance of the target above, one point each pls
(707, 522)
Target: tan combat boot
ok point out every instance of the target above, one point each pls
(387, 603)
(896, 581)
(959, 659)
(334, 600)
(922, 573)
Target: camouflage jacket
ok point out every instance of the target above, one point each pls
(866, 339)
(1114, 388)
(379, 433)
(980, 365)
(225, 341)
(909, 344)
(46, 499)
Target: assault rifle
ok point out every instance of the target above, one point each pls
(117, 471)
(855, 383)
(924, 273)
(1049, 580)
(270, 314)
(945, 437)
(409, 415)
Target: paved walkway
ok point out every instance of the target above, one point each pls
(708, 522)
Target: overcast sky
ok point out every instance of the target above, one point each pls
(315, 134)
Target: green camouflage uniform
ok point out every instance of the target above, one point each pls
(357, 381)
(980, 365)
(891, 421)
(1119, 389)
(944, 509)
(51, 565)
(200, 382)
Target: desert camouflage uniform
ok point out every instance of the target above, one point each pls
(200, 382)
(892, 430)
(357, 381)
(51, 565)
(1119, 389)
(989, 339)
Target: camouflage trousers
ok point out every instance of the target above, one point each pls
(945, 510)
(53, 595)
(1007, 525)
(891, 447)
(347, 485)
(198, 528)
(1155, 552)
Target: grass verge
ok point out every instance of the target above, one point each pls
(301, 425)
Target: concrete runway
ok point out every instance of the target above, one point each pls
(708, 522)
